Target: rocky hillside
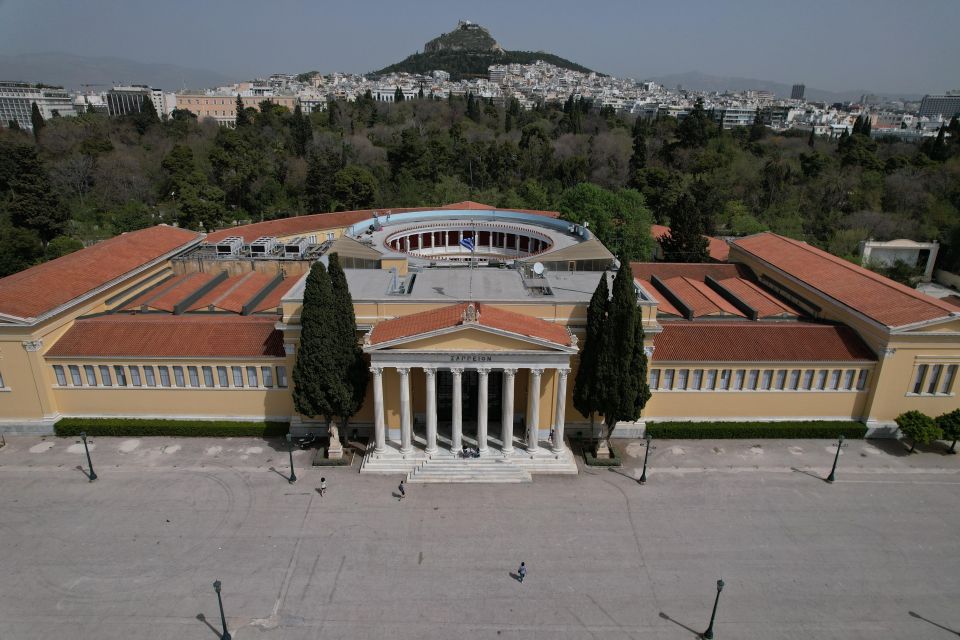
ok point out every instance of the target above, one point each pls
(466, 37)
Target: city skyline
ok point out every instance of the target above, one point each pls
(876, 50)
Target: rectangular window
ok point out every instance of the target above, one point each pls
(252, 377)
(738, 379)
(149, 376)
(61, 376)
(682, 379)
(282, 377)
(821, 380)
(668, 379)
(207, 377)
(121, 375)
(934, 378)
(948, 379)
(711, 383)
(74, 376)
(697, 379)
(135, 377)
(105, 376)
(752, 379)
(781, 379)
(767, 379)
(2, 386)
(834, 380)
(178, 377)
(164, 376)
(654, 379)
(848, 379)
(237, 376)
(918, 381)
(91, 375)
(194, 376)
(808, 379)
(725, 379)
(862, 380)
(222, 375)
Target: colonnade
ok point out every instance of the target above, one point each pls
(506, 240)
(506, 418)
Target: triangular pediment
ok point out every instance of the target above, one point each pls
(470, 338)
(950, 326)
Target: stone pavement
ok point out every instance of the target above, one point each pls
(135, 553)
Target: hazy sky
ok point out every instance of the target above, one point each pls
(881, 45)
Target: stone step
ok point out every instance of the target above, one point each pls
(477, 470)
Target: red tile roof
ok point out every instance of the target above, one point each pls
(319, 221)
(885, 301)
(952, 299)
(758, 342)
(166, 336)
(717, 248)
(452, 316)
(43, 288)
(766, 304)
(697, 271)
(701, 299)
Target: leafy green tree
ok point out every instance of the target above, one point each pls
(758, 130)
(36, 119)
(319, 184)
(34, 203)
(19, 249)
(13, 125)
(587, 389)
(146, 116)
(354, 187)
(398, 95)
(810, 140)
(243, 117)
(623, 393)
(694, 130)
(61, 246)
(301, 132)
(949, 424)
(620, 220)
(686, 242)
(919, 427)
(638, 159)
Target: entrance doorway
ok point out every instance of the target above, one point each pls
(470, 385)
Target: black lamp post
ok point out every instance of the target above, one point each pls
(708, 634)
(223, 620)
(293, 476)
(643, 476)
(83, 436)
(833, 470)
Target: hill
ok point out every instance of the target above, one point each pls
(467, 52)
(72, 71)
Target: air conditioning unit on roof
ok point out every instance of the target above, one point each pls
(229, 246)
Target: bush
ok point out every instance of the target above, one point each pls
(591, 459)
(919, 427)
(183, 428)
(799, 429)
(949, 424)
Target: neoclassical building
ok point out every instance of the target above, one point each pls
(471, 318)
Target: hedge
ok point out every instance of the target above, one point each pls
(189, 428)
(591, 459)
(800, 429)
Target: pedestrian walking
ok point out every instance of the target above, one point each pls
(522, 572)
(323, 486)
(403, 490)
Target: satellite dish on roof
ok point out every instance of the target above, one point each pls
(538, 268)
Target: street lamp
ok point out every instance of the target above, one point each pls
(643, 476)
(833, 470)
(708, 634)
(293, 476)
(223, 620)
(93, 475)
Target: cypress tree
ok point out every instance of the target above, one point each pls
(810, 139)
(242, 118)
(757, 130)
(315, 367)
(36, 119)
(866, 126)
(13, 125)
(301, 131)
(686, 242)
(639, 366)
(586, 387)
(638, 160)
(398, 95)
(858, 125)
(352, 371)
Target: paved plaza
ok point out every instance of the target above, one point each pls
(134, 553)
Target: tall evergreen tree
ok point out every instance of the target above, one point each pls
(858, 125)
(686, 242)
(243, 118)
(34, 203)
(638, 367)
(866, 127)
(398, 95)
(811, 138)
(315, 368)
(638, 159)
(587, 386)
(36, 119)
(694, 131)
(301, 131)
(757, 130)
(619, 366)
(354, 373)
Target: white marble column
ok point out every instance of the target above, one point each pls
(431, 377)
(406, 430)
(483, 375)
(456, 429)
(560, 410)
(379, 428)
(533, 410)
(506, 427)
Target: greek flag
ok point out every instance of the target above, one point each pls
(467, 243)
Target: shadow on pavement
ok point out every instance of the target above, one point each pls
(280, 473)
(920, 617)
(202, 618)
(622, 473)
(808, 473)
(696, 634)
(890, 446)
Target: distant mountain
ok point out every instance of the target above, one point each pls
(72, 71)
(467, 52)
(697, 81)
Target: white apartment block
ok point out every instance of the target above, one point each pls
(17, 98)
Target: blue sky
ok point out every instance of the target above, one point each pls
(879, 45)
